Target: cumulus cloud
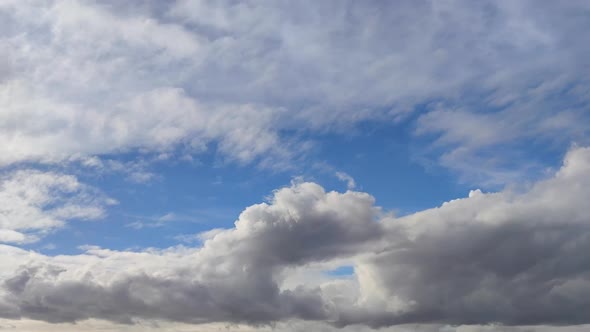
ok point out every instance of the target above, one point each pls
(86, 78)
(35, 202)
(505, 257)
(508, 257)
(234, 277)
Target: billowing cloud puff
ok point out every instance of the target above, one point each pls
(511, 257)
(114, 86)
(233, 277)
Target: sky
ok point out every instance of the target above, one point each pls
(294, 166)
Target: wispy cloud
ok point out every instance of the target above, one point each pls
(35, 203)
(350, 183)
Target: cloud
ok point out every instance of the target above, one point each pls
(233, 277)
(76, 90)
(350, 183)
(158, 221)
(251, 79)
(35, 203)
(292, 326)
(508, 258)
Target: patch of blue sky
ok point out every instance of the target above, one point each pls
(210, 193)
(184, 197)
(381, 161)
(342, 271)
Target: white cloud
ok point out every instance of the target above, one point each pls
(34, 203)
(141, 176)
(350, 183)
(79, 91)
(86, 78)
(157, 221)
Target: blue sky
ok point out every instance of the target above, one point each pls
(289, 166)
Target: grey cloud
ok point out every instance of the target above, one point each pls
(506, 258)
(291, 326)
(234, 277)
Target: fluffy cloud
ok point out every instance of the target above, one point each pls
(34, 203)
(233, 277)
(89, 78)
(75, 88)
(511, 257)
(86, 79)
(507, 257)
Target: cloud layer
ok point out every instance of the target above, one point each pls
(487, 89)
(511, 257)
(86, 78)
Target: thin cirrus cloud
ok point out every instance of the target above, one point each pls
(506, 257)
